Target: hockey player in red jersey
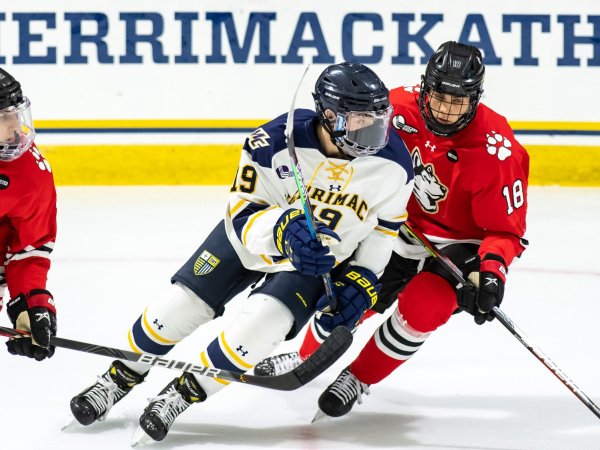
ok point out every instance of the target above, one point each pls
(470, 199)
(27, 225)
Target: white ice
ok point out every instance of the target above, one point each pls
(469, 387)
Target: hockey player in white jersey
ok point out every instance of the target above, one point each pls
(359, 179)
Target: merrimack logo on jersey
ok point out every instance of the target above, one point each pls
(258, 139)
(428, 190)
(205, 263)
(498, 144)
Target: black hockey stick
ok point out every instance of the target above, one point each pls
(301, 185)
(504, 320)
(329, 351)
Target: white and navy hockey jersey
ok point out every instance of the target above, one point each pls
(363, 200)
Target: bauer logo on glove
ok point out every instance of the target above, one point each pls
(364, 283)
(293, 239)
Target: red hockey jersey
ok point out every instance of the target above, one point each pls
(468, 186)
(27, 222)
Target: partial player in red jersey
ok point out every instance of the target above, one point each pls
(27, 225)
(470, 199)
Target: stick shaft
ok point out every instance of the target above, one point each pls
(333, 347)
(301, 185)
(506, 322)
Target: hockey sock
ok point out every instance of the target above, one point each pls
(167, 321)
(315, 335)
(426, 303)
(255, 333)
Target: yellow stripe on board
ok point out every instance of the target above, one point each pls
(564, 165)
(150, 123)
(143, 164)
(255, 123)
(558, 126)
(215, 164)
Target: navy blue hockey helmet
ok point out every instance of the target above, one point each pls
(361, 105)
(16, 125)
(457, 70)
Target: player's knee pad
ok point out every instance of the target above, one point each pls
(427, 302)
(254, 333)
(168, 320)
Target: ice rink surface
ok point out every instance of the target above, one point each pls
(469, 387)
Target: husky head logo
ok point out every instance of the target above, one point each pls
(428, 190)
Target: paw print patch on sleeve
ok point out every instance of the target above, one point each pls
(498, 145)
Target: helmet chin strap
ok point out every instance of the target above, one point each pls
(17, 141)
(333, 135)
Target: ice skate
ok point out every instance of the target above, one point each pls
(278, 364)
(339, 397)
(163, 409)
(95, 402)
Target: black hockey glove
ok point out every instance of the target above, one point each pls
(36, 314)
(292, 238)
(486, 290)
(356, 290)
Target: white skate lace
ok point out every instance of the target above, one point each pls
(168, 405)
(347, 386)
(104, 394)
(286, 362)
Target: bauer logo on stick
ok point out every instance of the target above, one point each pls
(205, 263)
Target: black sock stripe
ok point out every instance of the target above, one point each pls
(394, 349)
(398, 337)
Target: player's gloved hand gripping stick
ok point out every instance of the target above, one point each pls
(504, 320)
(310, 218)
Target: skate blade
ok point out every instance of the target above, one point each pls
(70, 423)
(140, 438)
(319, 416)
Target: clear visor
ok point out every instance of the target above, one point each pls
(366, 132)
(16, 130)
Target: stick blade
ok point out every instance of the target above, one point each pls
(324, 357)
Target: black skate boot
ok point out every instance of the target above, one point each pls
(175, 398)
(278, 364)
(340, 396)
(96, 401)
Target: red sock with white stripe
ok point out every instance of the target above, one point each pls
(426, 303)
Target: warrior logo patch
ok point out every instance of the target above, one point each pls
(399, 123)
(205, 263)
(4, 181)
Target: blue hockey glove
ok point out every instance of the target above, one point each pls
(293, 240)
(356, 290)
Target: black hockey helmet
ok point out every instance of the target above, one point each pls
(10, 90)
(455, 69)
(355, 94)
(16, 125)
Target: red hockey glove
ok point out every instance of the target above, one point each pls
(35, 313)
